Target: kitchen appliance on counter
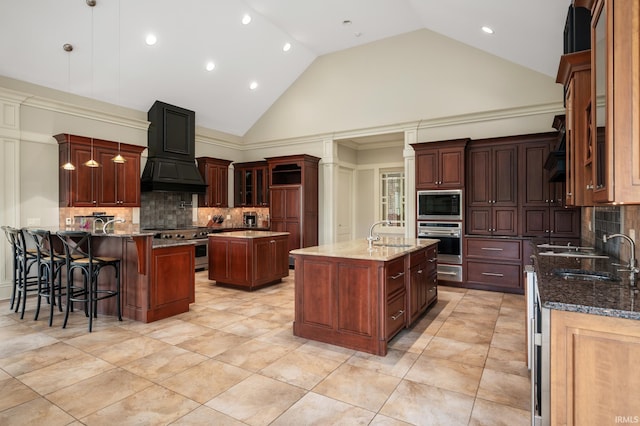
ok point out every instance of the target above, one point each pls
(198, 234)
(250, 219)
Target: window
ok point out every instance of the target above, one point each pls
(392, 197)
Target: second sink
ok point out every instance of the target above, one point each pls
(583, 274)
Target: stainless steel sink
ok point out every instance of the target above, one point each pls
(584, 274)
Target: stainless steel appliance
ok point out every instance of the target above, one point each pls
(250, 219)
(449, 247)
(539, 355)
(198, 234)
(440, 204)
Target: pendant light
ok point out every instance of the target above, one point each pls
(119, 158)
(68, 48)
(92, 162)
(92, 3)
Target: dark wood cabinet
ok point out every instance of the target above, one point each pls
(215, 173)
(293, 192)
(440, 165)
(251, 188)
(423, 282)
(492, 177)
(543, 210)
(248, 261)
(494, 264)
(109, 185)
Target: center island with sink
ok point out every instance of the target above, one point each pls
(359, 294)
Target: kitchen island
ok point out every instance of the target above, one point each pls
(157, 276)
(589, 340)
(350, 295)
(248, 259)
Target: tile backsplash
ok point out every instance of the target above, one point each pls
(166, 210)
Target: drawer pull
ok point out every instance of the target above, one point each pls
(492, 248)
(419, 271)
(396, 276)
(433, 259)
(432, 289)
(398, 315)
(492, 274)
(453, 274)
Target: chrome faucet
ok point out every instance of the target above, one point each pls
(95, 221)
(371, 238)
(107, 223)
(632, 258)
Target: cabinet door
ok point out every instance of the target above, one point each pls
(505, 221)
(534, 189)
(451, 168)
(505, 176)
(535, 222)
(106, 183)
(84, 179)
(262, 189)
(128, 180)
(427, 167)
(478, 178)
(479, 221)
(565, 223)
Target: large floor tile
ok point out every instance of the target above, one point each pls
(358, 386)
(454, 350)
(14, 393)
(257, 400)
(421, 404)
(313, 409)
(445, 374)
(300, 369)
(253, 355)
(507, 389)
(163, 364)
(487, 413)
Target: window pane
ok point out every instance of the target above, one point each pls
(392, 197)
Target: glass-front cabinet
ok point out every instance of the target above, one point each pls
(615, 106)
(250, 184)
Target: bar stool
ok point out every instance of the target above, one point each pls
(50, 266)
(79, 256)
(24, 259)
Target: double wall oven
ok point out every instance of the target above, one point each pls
(439, 214)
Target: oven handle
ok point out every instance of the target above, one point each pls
(439, 233)
(447, 273)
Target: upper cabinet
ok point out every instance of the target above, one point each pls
(110, 184)
(574, 73)
(215, 173)
(250, 184)
(615, 63)
(440, 165)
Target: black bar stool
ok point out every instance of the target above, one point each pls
(50, 266)
(79, 256)
(24, 259)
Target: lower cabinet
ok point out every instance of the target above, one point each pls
(423, 282)
(172, 281)
(494, 264)
(248, 262)
(361, 304)
(594, 377)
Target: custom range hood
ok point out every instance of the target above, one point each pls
(171, 164)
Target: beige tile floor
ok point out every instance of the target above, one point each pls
(232, 360)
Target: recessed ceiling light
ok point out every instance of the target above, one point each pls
(253, 85)
(286, 47)
(210, 66)
(346, 22)
(246, 19)
(150, 39)
(487, 30)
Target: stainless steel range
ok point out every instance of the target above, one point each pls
(198, 234)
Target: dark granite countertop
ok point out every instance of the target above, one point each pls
(591, 296)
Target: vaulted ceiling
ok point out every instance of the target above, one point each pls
(111, 62)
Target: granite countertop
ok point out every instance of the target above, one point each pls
(359, 249)
(592, 296)
(253, 233)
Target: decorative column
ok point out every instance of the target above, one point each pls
(410, 136)
(328, 208)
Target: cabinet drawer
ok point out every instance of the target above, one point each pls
(426, 254)
(396, 315)
(494, 274)
(493, 249)
(395, 276)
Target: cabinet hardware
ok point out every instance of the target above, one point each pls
(433, 259)
(492, 274)
(419, 271)
(492, 248)
(398, 315)
(396, 276)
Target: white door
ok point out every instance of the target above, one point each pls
(345, 205)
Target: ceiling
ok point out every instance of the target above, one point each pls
(111, 62)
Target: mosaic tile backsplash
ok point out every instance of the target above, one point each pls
(166, 210)
(607, 220)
